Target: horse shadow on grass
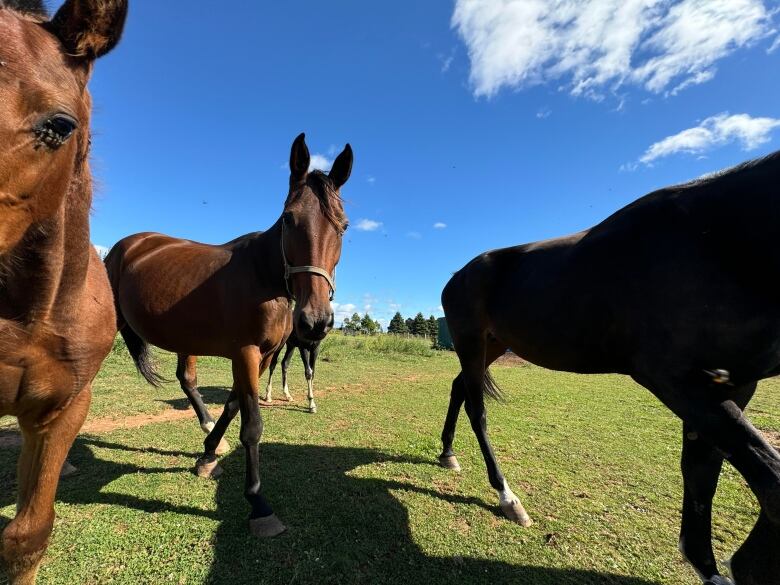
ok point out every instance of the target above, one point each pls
(216, 396)
(345, 529)
(342, 529)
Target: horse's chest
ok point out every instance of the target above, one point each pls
(31, 375)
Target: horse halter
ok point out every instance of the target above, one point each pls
(290, 270)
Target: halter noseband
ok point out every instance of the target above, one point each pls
(290, 270)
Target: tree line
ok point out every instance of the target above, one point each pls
(419, 326)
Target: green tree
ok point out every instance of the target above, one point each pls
(397, 325)
(410, 326)
(419, 325)
(368, 326)
(433, 327)
(352, 324)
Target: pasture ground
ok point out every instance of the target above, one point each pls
(594, 459)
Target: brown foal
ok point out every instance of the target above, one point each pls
(234, 300)
(56, 313)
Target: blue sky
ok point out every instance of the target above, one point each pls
(476, 124)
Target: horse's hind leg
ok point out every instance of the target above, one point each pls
(711, 411)
(187, 374)
(475, 355)
(44, 449)
(701, 465)
(447, 458)
(271, 368)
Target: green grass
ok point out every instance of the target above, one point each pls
(594, 459)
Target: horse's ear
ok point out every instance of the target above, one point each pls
(299, 159)
(89, 28)
(342, 167)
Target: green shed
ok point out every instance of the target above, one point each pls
(445, 341)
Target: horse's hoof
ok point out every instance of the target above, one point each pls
(207, 468)
(517, 514)
(313, 409)
(719, 580)
(288, 398)
(449, 462)
(67, 469)
(266, 526)
(223, 447)
(265, 399)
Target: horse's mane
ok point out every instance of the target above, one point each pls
(32, 7)
(330, 201)
(744, 167)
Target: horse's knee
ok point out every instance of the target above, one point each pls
(250, 434)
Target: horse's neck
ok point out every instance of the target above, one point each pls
(265, 254)
(48, 271)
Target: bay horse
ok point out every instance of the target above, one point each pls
(309, 352)
(236, 301)
(678, 290)
(56, 313)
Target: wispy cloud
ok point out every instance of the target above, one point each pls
(596, 47)
(439, 225)
(543, 113)
(711, 133)
(371, 179)
(368, 225)
(414, 235)
(342, 311)
(320, 162)
(775, 45)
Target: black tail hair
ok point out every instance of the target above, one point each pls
(139, 350)
(490, 388)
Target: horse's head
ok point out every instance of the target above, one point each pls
(312, 227)
(44, 104)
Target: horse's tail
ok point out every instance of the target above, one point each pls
(490, 388)
(138, 348)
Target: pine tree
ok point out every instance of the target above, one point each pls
(419, 325)
(367, 325)
(410, 326)
(397, 325)
(433, 327)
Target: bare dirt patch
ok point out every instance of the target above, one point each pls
(773, 438)
(510, 359)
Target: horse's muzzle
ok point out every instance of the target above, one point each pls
(313, 327)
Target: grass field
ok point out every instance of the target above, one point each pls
(594, 459)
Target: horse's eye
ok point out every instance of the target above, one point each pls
(54, 131)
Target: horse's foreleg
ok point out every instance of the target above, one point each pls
(701, 464)
(44, 449)
(306, 356)
(262, 521)
(288, 354)
(447, 458)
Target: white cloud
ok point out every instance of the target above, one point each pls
(543, 113)
(320, 162)
(414, 235)
(368, 225)
(342, 311)
(715, 131)
(439, 225)
(101, 250)
(775, 45)
(591, 47)
(371, 179)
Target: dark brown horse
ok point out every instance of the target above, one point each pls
(678, 290)
(56, 313)
(235, 301)
(309, 352)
